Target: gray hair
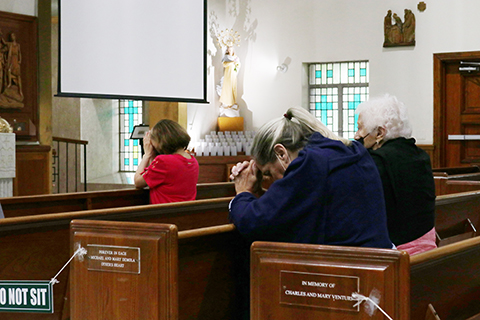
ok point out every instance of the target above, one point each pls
(292, 131)
(386, 111)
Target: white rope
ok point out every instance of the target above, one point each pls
(361, 298)
(80, 251)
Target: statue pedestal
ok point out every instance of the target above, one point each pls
(7, 164)
(230, 123)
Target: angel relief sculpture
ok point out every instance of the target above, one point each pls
(11, 94)
(398, 32)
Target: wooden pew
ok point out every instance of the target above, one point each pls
(307, 281)
(210, 258)
(207, 262)
(445, 279)
(444, 178)
(67, 202)
(445, 184)
(209, 285)
(448, 278)
(135, 264)
(456, 264)
(456, 170)
(36, 247)
(454, 213)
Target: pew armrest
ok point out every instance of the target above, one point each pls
(431, 313)
(469, 232)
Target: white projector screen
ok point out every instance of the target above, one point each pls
(133, 49)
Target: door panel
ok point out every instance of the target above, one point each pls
(462, 115)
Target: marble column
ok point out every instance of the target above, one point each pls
(7, 164)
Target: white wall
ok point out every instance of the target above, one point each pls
(335, 30)
(27, 7)
(99, 126)
(297, 32)
(272, 32)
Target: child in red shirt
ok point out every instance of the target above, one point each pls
(167, 168)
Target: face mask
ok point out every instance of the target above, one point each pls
(281, 163)
(361, 139)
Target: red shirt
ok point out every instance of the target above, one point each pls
(172, 178)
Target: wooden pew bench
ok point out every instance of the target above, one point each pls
(444, 177)
(68, 202)
(36, 247)
(456, 184)
(448, 278)
(454, 216)
(456, 170)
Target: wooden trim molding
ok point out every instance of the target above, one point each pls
(430, 149)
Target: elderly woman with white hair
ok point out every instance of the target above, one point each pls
(405, 170)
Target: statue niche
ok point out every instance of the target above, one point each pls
(398, 32)
(11, 94)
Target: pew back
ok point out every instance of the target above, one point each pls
(456, 170)
(36, 247)
(306, 281)
(453, 211)
(68, 202)
(134, 264)
(456, 184)
(447, 278)
(443, 177)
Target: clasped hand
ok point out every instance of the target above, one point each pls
(246, 177)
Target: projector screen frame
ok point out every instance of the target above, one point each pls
(111, 96)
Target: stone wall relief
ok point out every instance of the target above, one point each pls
(398, 32)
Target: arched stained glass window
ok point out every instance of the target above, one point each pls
(131, 114)
(335, 91)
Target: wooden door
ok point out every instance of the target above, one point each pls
(457, 110)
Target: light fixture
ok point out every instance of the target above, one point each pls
(282, 68)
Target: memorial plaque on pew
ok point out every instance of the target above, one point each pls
(130, 270)
(302, 281)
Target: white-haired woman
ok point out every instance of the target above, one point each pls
(321, 190)
(405, 170)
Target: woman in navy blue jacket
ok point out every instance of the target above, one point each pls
(326, 190)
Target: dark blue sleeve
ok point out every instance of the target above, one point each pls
(297, 194)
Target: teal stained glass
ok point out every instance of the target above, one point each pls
(131, 114)
(334, 98)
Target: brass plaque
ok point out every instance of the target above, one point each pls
(113, 258)
(319, 290)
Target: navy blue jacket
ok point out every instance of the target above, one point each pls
(330, 194)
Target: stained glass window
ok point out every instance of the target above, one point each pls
(131, 114)
(336, 89)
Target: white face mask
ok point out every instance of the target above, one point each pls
(281, 163)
